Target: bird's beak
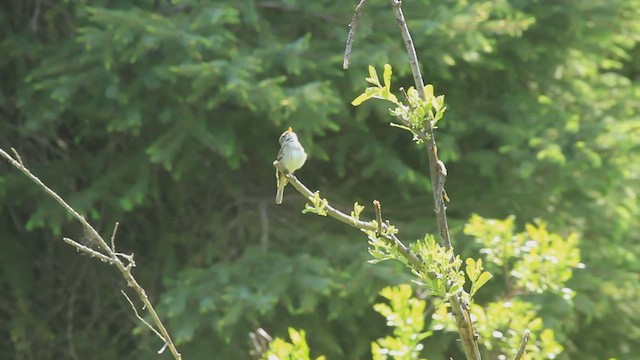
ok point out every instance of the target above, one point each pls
(289, 129)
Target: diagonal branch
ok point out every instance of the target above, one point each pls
(523, 345)
(350, 220)
(104, 253)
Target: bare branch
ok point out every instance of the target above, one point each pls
(140, 317)
(438, 173)
(352, 31)
(523, 344)
(105, 253)
(411, 50)
(113, 237)
(88, 250)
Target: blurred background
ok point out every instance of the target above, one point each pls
(165, 115)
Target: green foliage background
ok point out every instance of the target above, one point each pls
(164, 115)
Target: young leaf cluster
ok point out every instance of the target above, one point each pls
(416, 115)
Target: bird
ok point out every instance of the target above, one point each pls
(291, 157)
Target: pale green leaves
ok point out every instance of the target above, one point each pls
(380, 91)
(382, 248)
(318, 205)
(406, 315)
(298, 348)
(440, 272)
(476, 275)
(357, 210)
(421, 111)
(535, 260)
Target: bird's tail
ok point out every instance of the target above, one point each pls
(282, 182)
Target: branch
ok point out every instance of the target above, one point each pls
(351, 221)
(104, 253)
(523, 345)
(438, 175)
(145, 321)
(352, 31)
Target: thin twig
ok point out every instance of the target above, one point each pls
(140, 317)
(15, 153)
(378, 210)
(113, 236)
(411, 50)
(88, 250)
(351, 221)
(352, 31)
(523, 344)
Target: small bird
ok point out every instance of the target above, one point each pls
(291, 156)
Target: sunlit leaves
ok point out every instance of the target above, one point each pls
(417, 116)
(297, 349)
(405, 314)
(318, 205)
(536, 259)
(379, 91)
(476, 275)
(440, 272)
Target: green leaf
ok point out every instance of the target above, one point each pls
(373, 77)
(361, 98)
(387, 77)
(471, 269)
(481, 280)
(428, 91)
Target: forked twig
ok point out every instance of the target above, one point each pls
(145, 322)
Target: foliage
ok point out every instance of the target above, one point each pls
(535, 266)
(416, 114)
(296, 349)
(164, 116)
(534, 261)
(406, 315)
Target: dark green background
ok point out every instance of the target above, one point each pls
(165, 116)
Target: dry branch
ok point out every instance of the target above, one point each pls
(104, 252)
